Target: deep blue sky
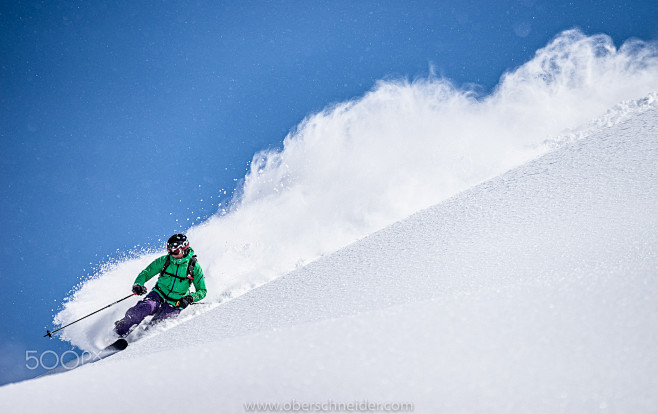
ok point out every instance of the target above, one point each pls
(121, 121)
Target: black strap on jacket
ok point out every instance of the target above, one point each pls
(164, 295)
(190, 275)
(190, 268)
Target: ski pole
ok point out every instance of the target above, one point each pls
(50, 334)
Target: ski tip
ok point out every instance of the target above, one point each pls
(119, 344)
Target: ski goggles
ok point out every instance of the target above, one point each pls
(176, 250)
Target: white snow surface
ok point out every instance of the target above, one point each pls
(533, 292)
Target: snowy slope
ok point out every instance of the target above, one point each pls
(533, 292)
(356, 167)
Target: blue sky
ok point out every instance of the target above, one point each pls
(124, 123)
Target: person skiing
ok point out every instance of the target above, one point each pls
(178, 270)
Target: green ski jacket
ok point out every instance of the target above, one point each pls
(174, 284)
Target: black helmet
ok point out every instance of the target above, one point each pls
(177, 241)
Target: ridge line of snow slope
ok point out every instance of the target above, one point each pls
(533, 292)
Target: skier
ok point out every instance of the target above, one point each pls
(178, 270)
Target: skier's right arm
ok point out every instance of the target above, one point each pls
(151, 270)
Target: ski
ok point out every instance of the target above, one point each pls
(116, 346)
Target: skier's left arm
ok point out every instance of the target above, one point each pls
(199, 284)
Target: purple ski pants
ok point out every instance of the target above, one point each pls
(152, 304)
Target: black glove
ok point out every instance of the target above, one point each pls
(139, 289)
(185, 301)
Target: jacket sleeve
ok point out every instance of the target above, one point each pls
(151, 270)
(199, 284)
